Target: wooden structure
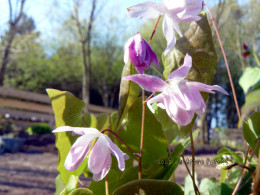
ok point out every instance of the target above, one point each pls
(24, 108)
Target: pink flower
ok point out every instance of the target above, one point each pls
(180, 98)
(140, 53)
(175, 11)
(99, 162)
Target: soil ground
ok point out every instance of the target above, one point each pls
(33, 171)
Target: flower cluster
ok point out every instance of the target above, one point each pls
(179, 97)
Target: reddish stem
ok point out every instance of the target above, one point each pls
(226, 62)
(110, 131)
(154, 30)
(149, 97)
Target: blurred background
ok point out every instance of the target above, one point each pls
(50, 44)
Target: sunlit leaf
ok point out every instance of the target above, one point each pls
(67, 110)
(250, 77)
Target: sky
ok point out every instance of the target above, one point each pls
(49, 14)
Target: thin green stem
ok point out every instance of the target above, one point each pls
(193, 163)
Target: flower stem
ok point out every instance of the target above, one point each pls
(197, 189)
(110, 131)
(106, 185)
(226, 62)
(193, 164)
(154, 30)
(142, 137)
(143, 115)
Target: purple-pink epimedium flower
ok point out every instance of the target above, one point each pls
(175, 11)
(181, 98)
(139, 53)
(100, 160)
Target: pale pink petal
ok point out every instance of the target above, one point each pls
(106, 167)
(178, 115)
(183, 70)
(79, 151)
(147, 82)
(158, 98)
(169, 34)
(177, 27)
(207, 88)
(191, 10)
(77, 130)
(98, 155)
(146, 10)
(193, 99)
(120, 156)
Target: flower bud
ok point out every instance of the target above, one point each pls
(139, 53)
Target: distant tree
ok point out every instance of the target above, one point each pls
(14, 19)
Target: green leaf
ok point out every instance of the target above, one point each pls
(252, 102)
(129, 91)
(198, 43)
(102, 121)
(155, 145)
(72, 185)
(149, 187)
(223, 176)
(165, 167)
(81, 191)
(250, 76)
(59, 185)
(188, 185)
(67, 110)
(251, 130)
(225, 189)
(209, 186)
(99, 187)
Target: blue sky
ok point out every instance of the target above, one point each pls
(48, 14)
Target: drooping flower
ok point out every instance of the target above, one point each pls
(99, 162)
(180, 97)
(140, 53)
(175, 11)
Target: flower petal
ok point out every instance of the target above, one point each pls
(120, 156)
(154, 57)
(169, 34)
(126, 50)
(147, 82)
(183, 70)
(178, 115)
(207, 88)
(77, 130)
(146, 10)
(79, 151)
(98, 155)
(106, 167)
(191, 11)
(158, 98)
